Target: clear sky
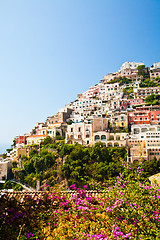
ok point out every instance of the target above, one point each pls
(54, 49)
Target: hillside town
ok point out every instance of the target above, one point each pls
(122, 110)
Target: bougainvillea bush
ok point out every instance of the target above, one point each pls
(129, 209)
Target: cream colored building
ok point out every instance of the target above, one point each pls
(35, 139)
(82, 133)
(110, 139)
(5, 168)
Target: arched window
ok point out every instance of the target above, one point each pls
(109, 144)
(111, 137)
(97, 137)
(118, 137)
(103, 137)
(136, 130)
(116, 144)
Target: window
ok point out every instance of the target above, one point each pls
(116, 144)
(97, 137)
(118, 137)
(109, 144)
(144, 130)
(103, 137)
(111, 137)
(136, 131)
(71, 129)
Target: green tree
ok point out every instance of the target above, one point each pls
(14, 164)
(143, 71)
(46, 141)
(153, 99)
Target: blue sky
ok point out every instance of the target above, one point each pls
(54, 49)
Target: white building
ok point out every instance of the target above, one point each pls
(145, 131)
(131, 65)
(155, 66)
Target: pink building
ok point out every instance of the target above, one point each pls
(125, 104)
(129, 72)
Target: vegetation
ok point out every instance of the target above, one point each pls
(128, 91)
(143, 71)
(69, 122)
(58, 136)
(38, 166)
(129, 209)
(153, 99)
(14, 164)
(97, 164)
(149, 83)
(46, 141)
(11, 185)
(75, 164)
(121, 80)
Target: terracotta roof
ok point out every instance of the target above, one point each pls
(37, 136)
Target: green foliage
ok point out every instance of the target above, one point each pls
(18, 187)
(46, 141)
(149, 83)
(7, 185)
(151, 167)
(127, 210)
(143, 71)
(69, 122)
(12, 185)
(14, 142)
(121, 80)
(9, 150)
(81, 165)
(128, 90)
(32, 153)
(4, 155)
(98, 163)
(14, 164)
(153, 99)
(157, 79)
(58, 135)
(31, 180)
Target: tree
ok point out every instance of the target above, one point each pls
(46, 141)
(58, 135)
(141, 70)
(69, 122)
(153, 99)
(32, 153)
(14, 164)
